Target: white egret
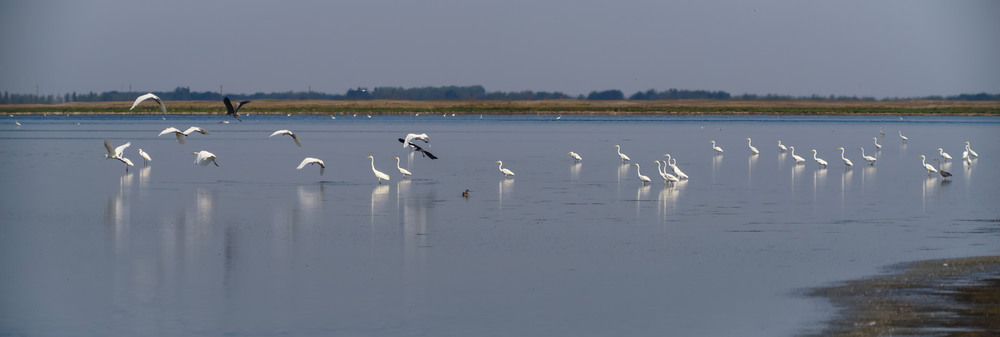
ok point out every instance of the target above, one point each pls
(798, 159)
(901, 136)
(152, 97)
(17, 123)
(233, 110)
(943, 154)
(287, 132)
(204, 157)
(877, 145)
(782, 147)
(871, 160)
(673, 165)
(402, 171)
(944, 174)
(971, 152)
(753, 150)
(506, 173)
(416, 148)
(667, 177)
(378, 174)
(575, 156)
(642, 178)
(818, 160)
(930, 168)
(716, 148)
(311, 160)
(118, 153)
(846, 161)
(182, 134)
(411, 136)
(622, 155)
(145, 157)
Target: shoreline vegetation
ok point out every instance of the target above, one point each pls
(539, 107)
(952, 297)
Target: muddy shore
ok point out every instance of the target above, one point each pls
(953, 297)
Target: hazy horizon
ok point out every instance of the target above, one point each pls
(854, 48)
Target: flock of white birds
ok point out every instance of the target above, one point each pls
(204, 157)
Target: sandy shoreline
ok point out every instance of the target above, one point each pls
(955, 297)
(528, 107)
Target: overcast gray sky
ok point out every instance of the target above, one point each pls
(866, 48)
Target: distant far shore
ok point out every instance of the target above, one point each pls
(625, 107)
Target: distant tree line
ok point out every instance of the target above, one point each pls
(449, 93)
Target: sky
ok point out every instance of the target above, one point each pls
(895, 48)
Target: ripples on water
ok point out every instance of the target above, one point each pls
(562, 248)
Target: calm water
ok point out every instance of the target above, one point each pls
(561, 249)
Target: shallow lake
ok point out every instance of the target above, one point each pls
(563, 248)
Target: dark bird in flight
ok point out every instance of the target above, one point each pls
(232, 110)
(418, 149)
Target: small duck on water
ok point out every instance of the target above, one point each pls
(465, 194)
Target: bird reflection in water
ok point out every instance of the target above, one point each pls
(574, 171)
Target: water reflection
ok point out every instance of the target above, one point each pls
(716, 165)
(574, 171)
(819, 181)
(751, 162)
(641, 193)
(204, 205)
(503, 187)
(796, 171)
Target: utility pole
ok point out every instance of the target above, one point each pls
(309, 97)
(37, 99)
(220, 91)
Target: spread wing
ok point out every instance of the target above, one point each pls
(121, 149)
(148, 96)
(195, 129)
(168, 130)
(111, 151)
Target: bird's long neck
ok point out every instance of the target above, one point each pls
(638, 170)
(373, 163)
(862, 152)
(842, 154)
(793, 151)
(397, 162)
(500, 167)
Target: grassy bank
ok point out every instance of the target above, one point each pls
(991, 108)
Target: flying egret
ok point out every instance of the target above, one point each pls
(182, 134)
(233, 110)
(506, 173)
(145, 157)
(402, 171)
(943, 154)
(944, 174)
(782, 147)
(753, 150)
(311, 160)
(575, 156)
(118, 153)
(818, 160)
(378, 174)
(667, 177)
(846, 161)
(152, 97)
(418, 149)
(971, 152)
(798, 159)
(716, 148)
(901, 136)
(930, 168)
(871, 160)
(877, 145)
(411, 136)
(622, 155)
(287, 132)
(642, 178)
(204, 157)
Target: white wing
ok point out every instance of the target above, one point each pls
(111, 150)
(119, 150)
(148, 96)
(280, 132)
(195, 129)
(310, 160)
(168, 130)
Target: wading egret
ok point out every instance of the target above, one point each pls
(204, 157)
(402, 171)
(232, 110)
(818, 160)
(716, 148)
(145, 157)
(871, 160)
(943, 154)
(753, 150)
(378, 174)
(638, 171)
(575, 156)
(667, 177)
(971, 152)
(411, 136)
(782, 147)
(311, 160)
(846, 161)
(930, 169)
(877, 145)
(944, 174)
(506, 173)
(118, 153)
(901, 136)
(287, 132)
(798, 159)
(152, 97)
(418, 149)
(673, 165)
(182, 134)
(622, 155)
